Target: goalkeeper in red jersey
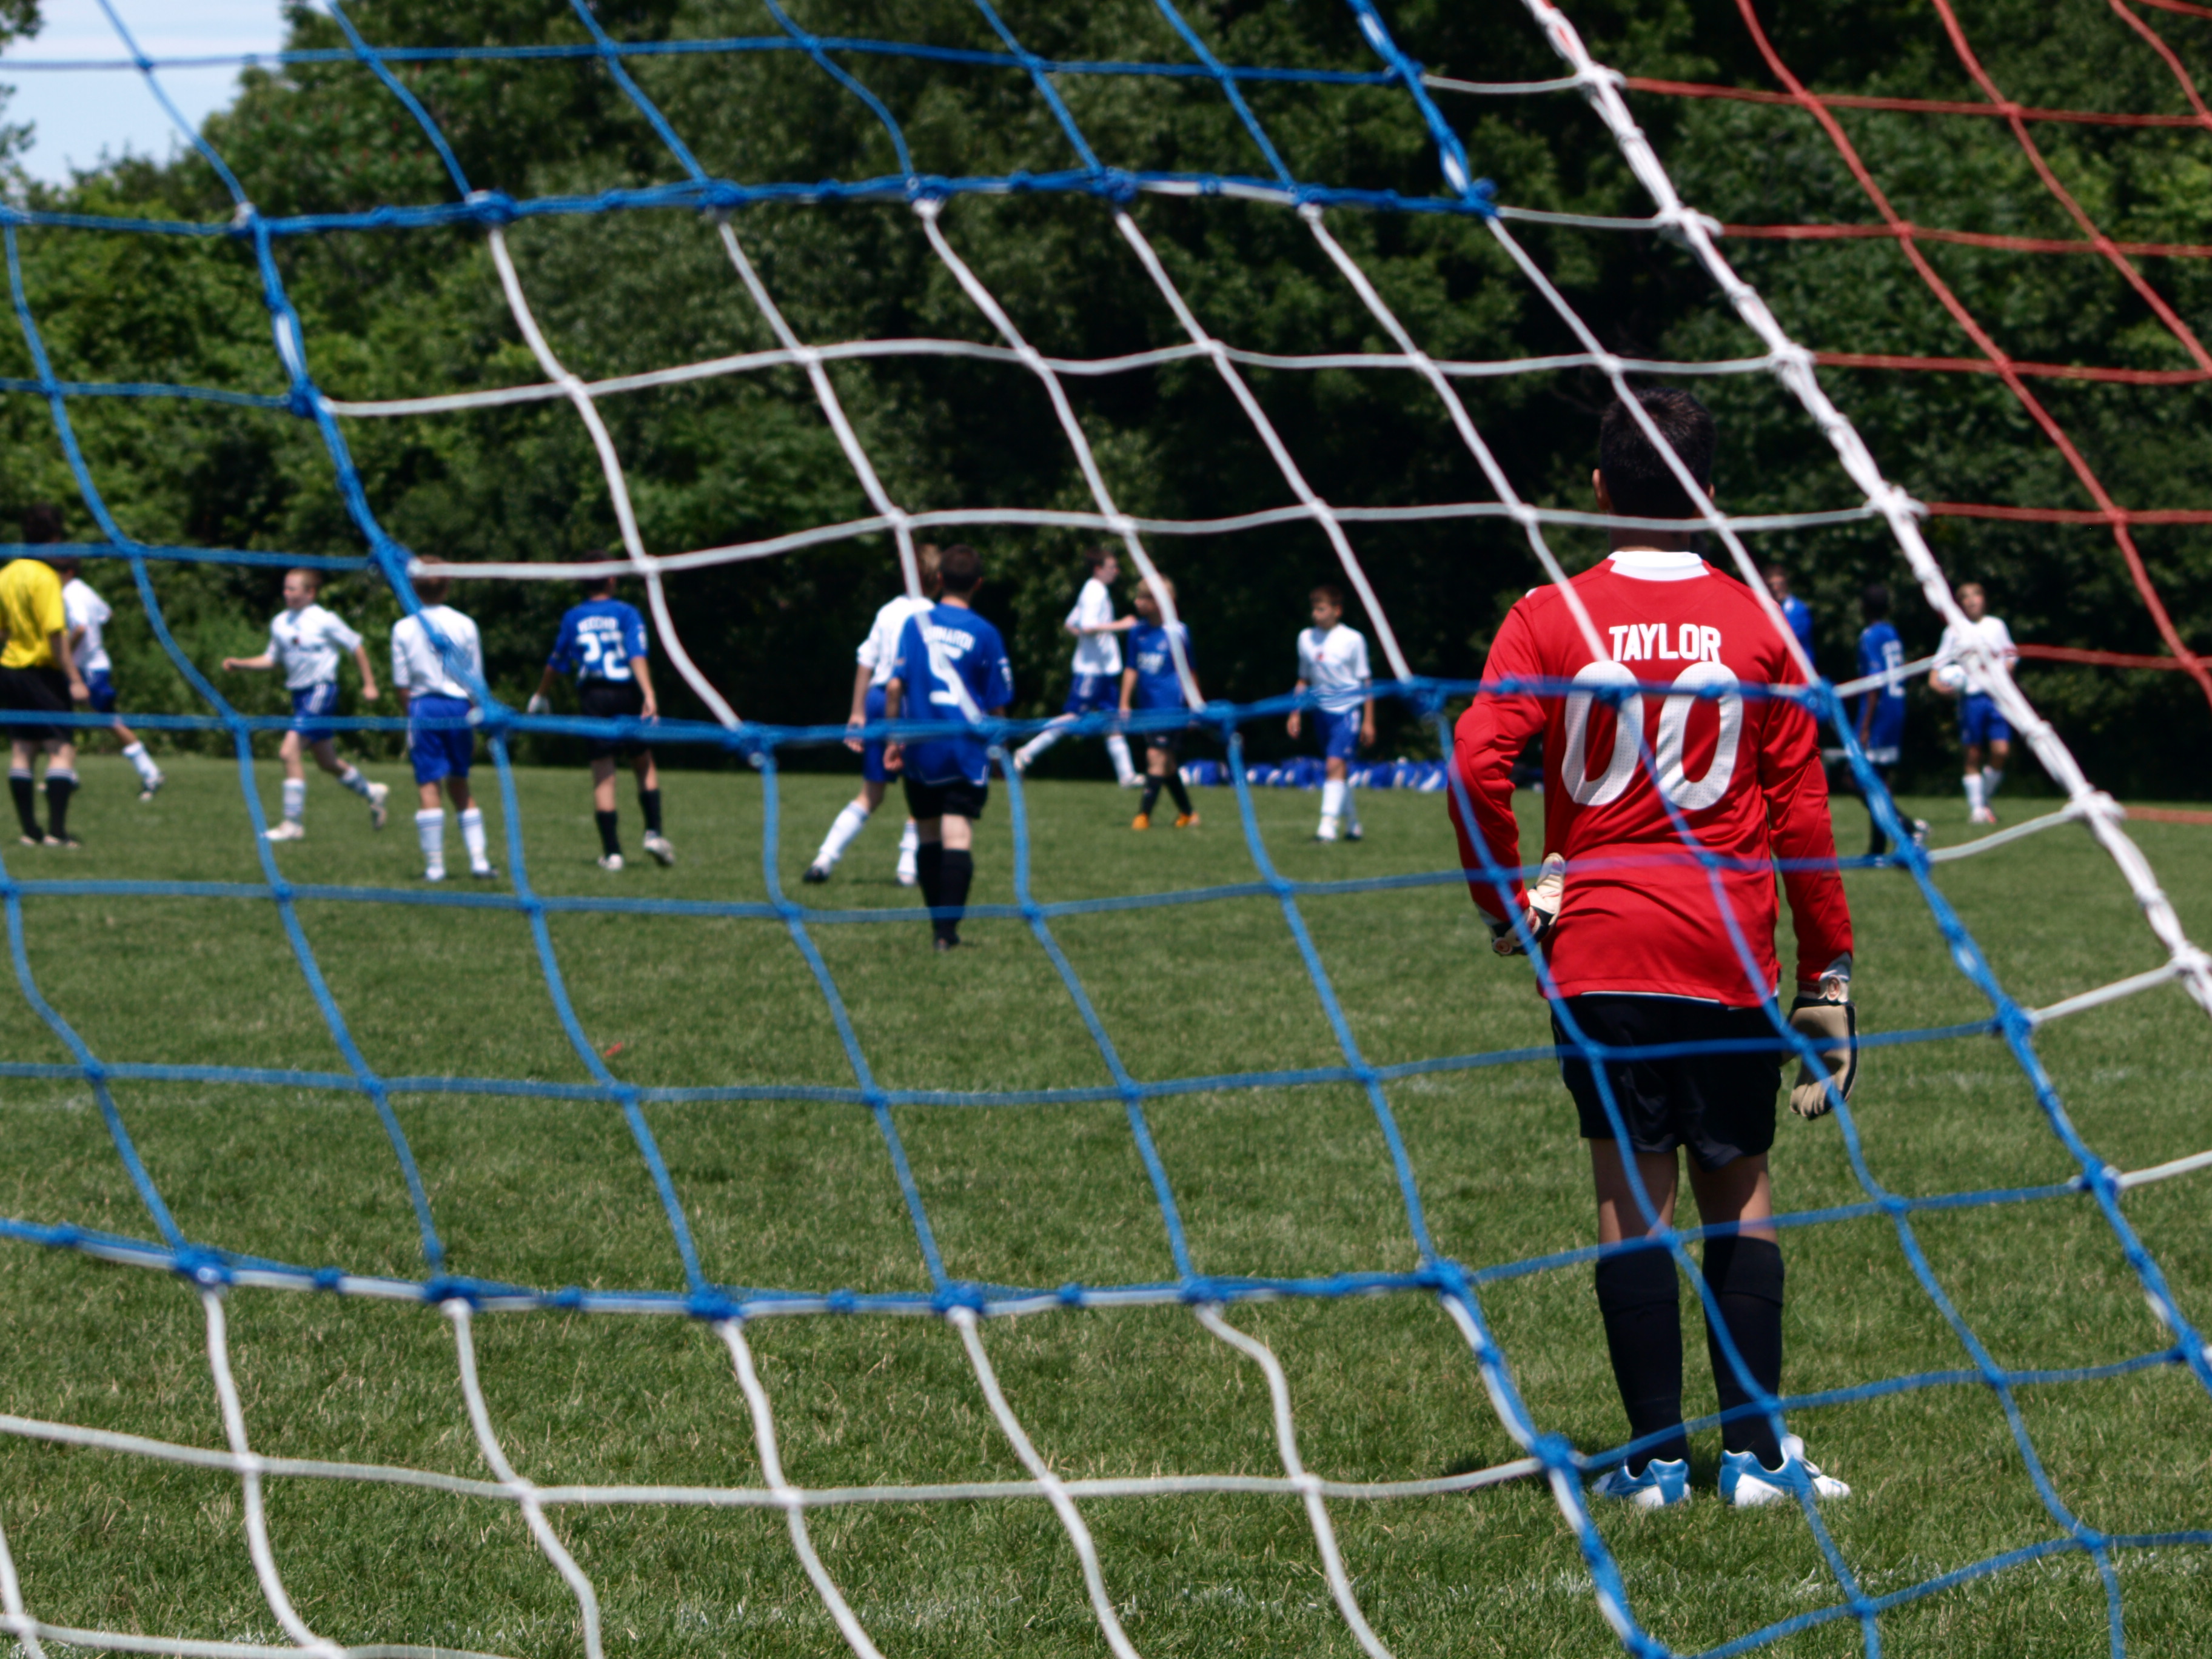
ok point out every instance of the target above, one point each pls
(1630, 924)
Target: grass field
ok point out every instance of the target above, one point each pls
(550, 1192)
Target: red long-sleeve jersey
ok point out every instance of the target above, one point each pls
(1640, 912)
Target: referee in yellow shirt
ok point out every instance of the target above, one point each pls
(38, 676)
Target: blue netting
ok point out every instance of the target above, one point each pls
(1457, 1286)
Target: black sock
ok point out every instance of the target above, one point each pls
(959, 874)
(26, 793)
(1181, 795)
(609, 841)
(1152, 796)
(1745, 1276)
(1644, 1334)
(929, 870)
(59, 787)
(648, 802)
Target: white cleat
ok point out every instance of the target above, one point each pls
(435, 872)
(611, 861)
(378, 794)
(483, 872)
(1134, 780)
(289, 829)
(148, 787)
(1982, 815)
(663, 851)
(1746, 1484)
(909, 873)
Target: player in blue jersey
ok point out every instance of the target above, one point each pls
(952, 666)
(602, 643)
(1794, 611)
(1881, 710)
(1151, 682)
(308, 642)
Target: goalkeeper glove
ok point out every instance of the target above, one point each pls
(1830, 1023)
(539, 704)
(1543, 910)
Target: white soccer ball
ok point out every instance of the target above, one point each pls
(1949, 677)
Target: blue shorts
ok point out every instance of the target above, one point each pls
(1339, 733)
(1093, 694)
(444, 753)
(101, 685)
(1980, 721)
(871, 754)
(1886, 732)
(311, 706)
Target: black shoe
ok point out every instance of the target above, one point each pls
(816, 874)
(945, 944)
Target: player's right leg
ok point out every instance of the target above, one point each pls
(852, 818)
(291, 826)
(648, 806)
(23, 787)
(604, 812)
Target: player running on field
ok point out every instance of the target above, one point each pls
(1333, 665)
(1639, 955)
(952, 666)
(602, 643)
(307, 643)
(88, 617)
(1982, 728)
(1149, 682)
(1881, 710)
(39, 677)
(1098, 666)
(433, 685)
(877, 660)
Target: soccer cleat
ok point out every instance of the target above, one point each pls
(1982, 815)
(663, 850)
(944, 944)
(1328, 836)
(909, 873)
(1664, 1483)
(435, 872)
(1142, 820)
(1747, 1484)
(32, 840)
(815, 876)
(378, 794)
(62, 840)
(1134, 780)
(1186, 820)
(289, 829)
(151, 784)
(611, 861)
(1355, 833)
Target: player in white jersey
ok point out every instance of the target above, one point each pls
(436, 656)
(877, 661)
(1333, 665)
(88, 616)
(308, 642)
(1982, 727)
(1097, 687)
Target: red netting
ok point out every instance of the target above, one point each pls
(1993, 359)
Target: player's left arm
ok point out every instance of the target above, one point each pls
(1129, 689)
(1803, 838)
(1488, 739)
(369, 692)
(1367, 725)
(644, 672)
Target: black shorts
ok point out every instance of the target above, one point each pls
(1168, 742)
(36, 691)
(959, 798)
(1721, 1106)
(611, 700)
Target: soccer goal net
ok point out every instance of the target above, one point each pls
(1302, 1409)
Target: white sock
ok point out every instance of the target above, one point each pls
(1332, 793)
(1044, 739)
(136, 755)
(1118, 747)
(472, 837)
(910, 839)
(430, 831)
(1973, 781)
(295, 799)
(849, 823)
(1991, 777)
(1350, 807)
(353, 780)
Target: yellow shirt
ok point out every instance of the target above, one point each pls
(30, 610)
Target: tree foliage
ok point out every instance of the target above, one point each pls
(407, 312)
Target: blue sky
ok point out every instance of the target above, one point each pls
(80, 112)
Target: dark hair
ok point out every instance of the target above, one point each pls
(42, 523)
(960, 569)
(431, 590)
(611, 562)
(1095, 557)
(1875, 602)
(1328, 591)
(67, 564)
(1637, 476)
